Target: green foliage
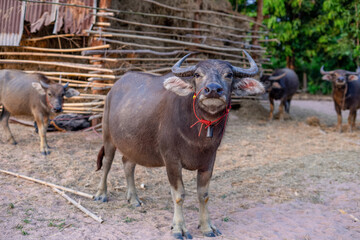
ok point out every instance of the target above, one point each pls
(311, 34)
(226, 219)
(129, 219)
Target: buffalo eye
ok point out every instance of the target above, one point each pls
(196, 75)
(229, 75)
(49, 94)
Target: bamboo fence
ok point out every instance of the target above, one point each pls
(129, 39)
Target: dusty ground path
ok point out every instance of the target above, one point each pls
(278, 180)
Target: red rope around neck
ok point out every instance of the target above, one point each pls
(207, 122)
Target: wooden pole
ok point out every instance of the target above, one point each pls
(84, 210)
(103, 4)
(49, 184)
(67, 49)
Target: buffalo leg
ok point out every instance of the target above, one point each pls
(129, 169)
(281, 109)
(203, 180)
(352, 120)
(4, 119)
(42, 125)
(287, 106)
(339, 118)
(101, 194)
(271, 116)
(178, 196)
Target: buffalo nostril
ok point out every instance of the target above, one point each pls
(219, 90)
(207, 90)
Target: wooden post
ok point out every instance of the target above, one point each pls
(95, 42)
(304, 82)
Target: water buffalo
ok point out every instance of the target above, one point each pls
(346, 93)
(32, 95)
(281, 85)
(157, 121)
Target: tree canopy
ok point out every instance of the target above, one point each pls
(311, 34)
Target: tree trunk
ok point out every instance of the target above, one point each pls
(259, 19)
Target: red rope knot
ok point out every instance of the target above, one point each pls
(205, 122)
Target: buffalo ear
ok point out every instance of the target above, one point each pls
(327, 77)
(353, 78)
(70, 92)
(178, 86)
(248, 86)
(38, 88)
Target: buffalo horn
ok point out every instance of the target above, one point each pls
(183, 72)
(66, 85)
(324, 72)
(44, 85)
(274, 78)
(353, 73)
(241, 72)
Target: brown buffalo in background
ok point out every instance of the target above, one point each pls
(345, 93)
(31, 95)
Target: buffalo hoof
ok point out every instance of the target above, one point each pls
(213, 234)
(180, 236)
(45, 153)
(101, 198)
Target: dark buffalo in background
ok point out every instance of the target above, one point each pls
(345, 93)
(281, 85)
(148, 118)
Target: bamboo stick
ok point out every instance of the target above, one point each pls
(135, 51)
(74, 74)
(57, 56)
(65, 50)
(82, 109)
(79, 112)
(61, 64)
(137, 45)
(84, 104)
(191, 44)
(55, 36)
(84, 210)
(48, 184)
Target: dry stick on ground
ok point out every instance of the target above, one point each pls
(87, 212)
(48, 184)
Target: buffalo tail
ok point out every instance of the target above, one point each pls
(100, 158)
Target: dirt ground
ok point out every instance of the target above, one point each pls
(272, 180)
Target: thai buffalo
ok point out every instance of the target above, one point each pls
(157, 121)
(281, 85)
(32, 95)
(345, 93)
